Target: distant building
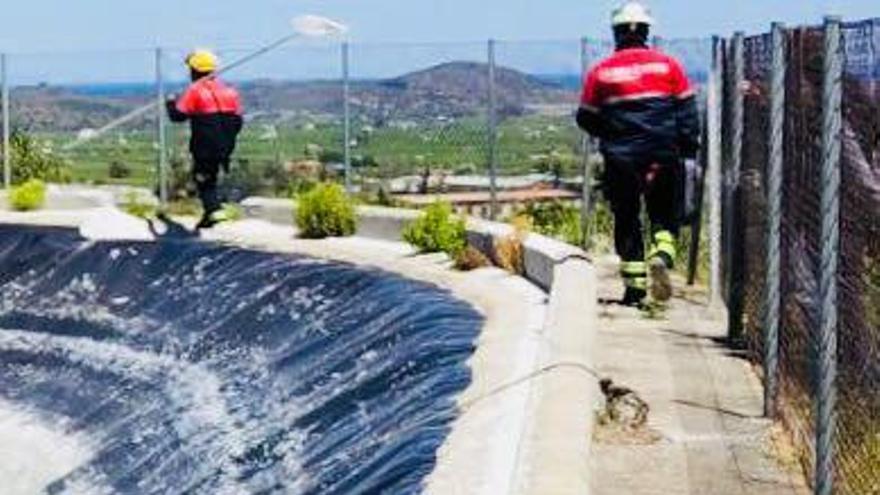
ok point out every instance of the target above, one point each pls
(478, 203)
(87, 133)
(470, 183)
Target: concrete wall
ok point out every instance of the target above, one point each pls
(542, 254)
(554, 446)
(555, 450)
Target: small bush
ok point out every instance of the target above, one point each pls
(35, 160)
(181, 186)
(471, 259)
(187, 207)
(28, 196)
(135, 206)
(119, 170)
(600, 229)
(233, 212)
(325, 211)
(244, 179)
(510, 251)
(556, 219)
(299, 186)
(437, 230)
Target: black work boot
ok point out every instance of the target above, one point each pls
(633, 297)
(209, 220)
(205, 223)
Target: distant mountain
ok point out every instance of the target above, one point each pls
(449, 91)
(56, 108)
(455, 90)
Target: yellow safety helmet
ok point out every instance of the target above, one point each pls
(202, 61)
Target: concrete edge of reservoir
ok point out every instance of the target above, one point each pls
(525, 425)
(552, 452)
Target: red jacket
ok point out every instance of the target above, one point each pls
(640, 103)
(214, 111)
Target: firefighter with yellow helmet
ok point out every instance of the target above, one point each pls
(214, 112)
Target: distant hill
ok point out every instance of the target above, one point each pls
(455, 90)
(448, 91)
(44, 108)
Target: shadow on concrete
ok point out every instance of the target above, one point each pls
(732, 348)
(174, 231)
(720, 410)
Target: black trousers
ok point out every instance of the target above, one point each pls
(626, 184)
(206, 173)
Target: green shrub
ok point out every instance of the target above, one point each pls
(119, 170)
(33, 160)
(244, 179)
(331, 156)
(233, 212)
(181, 186)
(187, 207)
(325, 211)
(557, 163)
(556, 219)
(135, 206)
(438, 229)
(28, 196)
(600, 229)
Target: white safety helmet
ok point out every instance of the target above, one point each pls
(631, 13)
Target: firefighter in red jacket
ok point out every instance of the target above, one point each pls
(215, 114)
(642, 107)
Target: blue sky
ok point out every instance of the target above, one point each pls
(76, 26)
(39, 25)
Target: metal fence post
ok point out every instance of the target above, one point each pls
(7, 152)
(346, 115)
(713, 110)
(874, 76)
(586, 165)
(161, 155)
(774, 218)
(826, 391)
(493, 135)
(734, 255)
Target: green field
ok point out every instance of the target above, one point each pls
(456, 147)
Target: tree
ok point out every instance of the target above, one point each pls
(34, 160)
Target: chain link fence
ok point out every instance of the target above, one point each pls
(803, 303)
(397, 118)
(56, 103)
(859, 413)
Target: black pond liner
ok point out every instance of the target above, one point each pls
(198, 368)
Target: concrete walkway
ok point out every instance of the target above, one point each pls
(705, 431)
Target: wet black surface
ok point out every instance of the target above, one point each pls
(197, 368)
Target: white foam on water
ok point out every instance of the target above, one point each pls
(35, 452)
(204, 410)
(110, 224)
(201, 414)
